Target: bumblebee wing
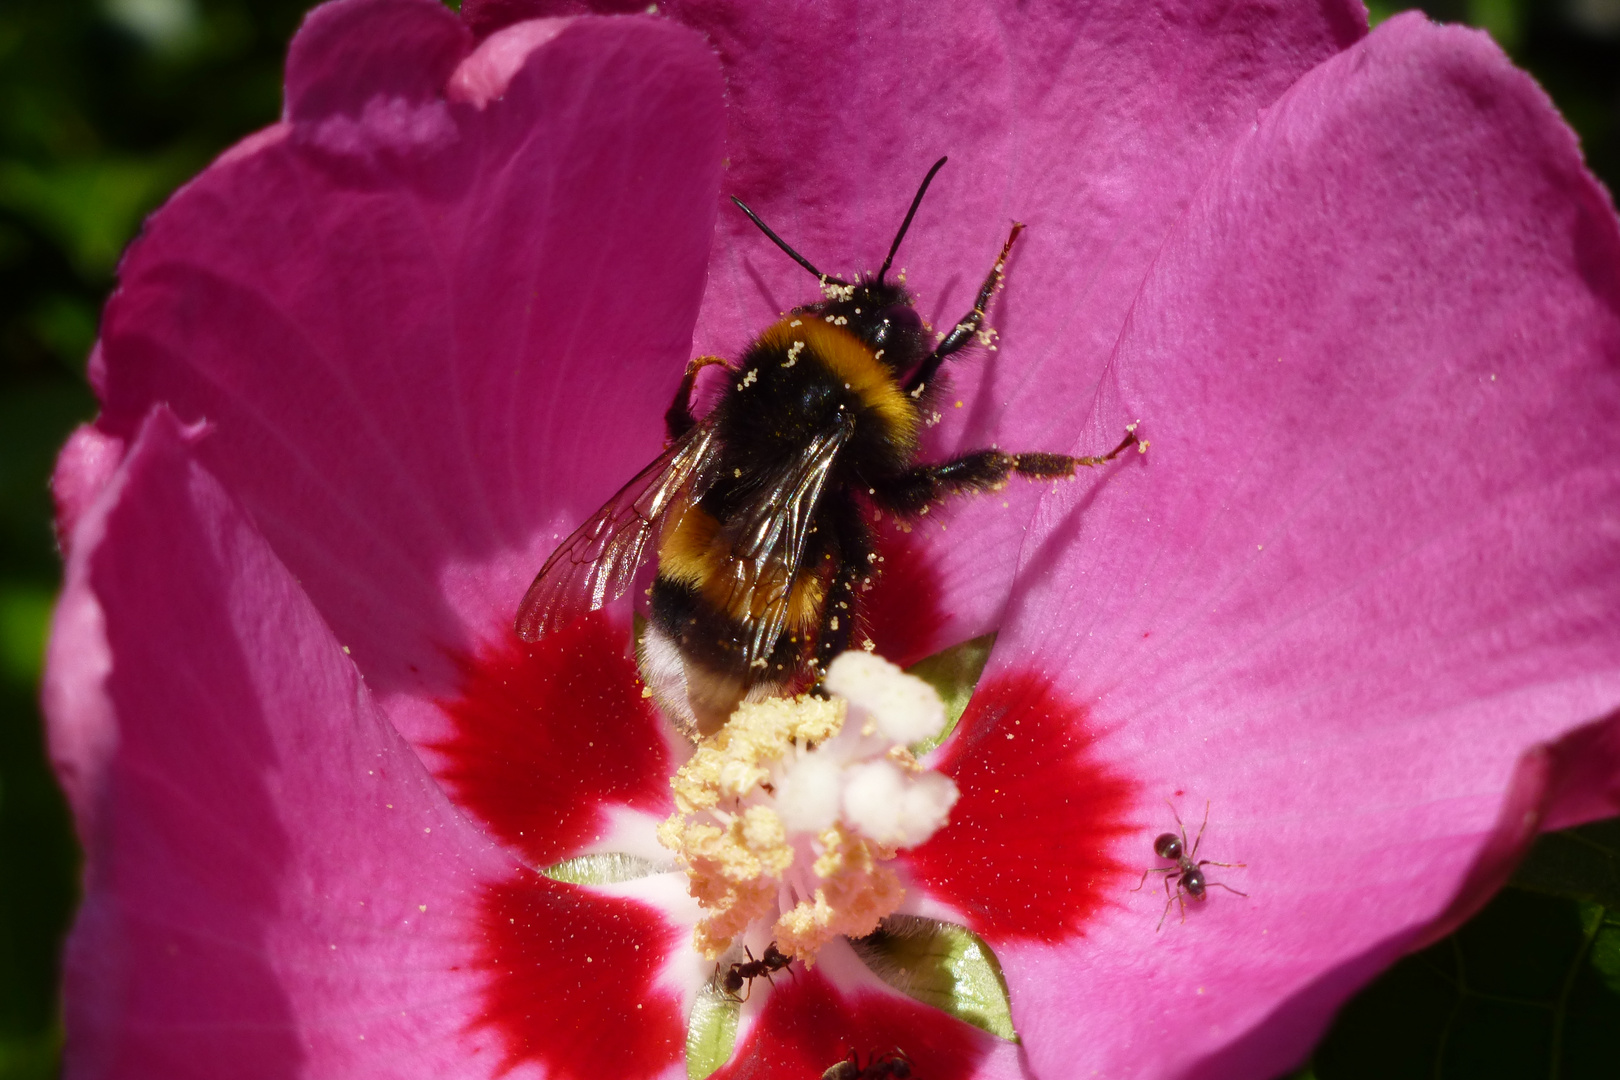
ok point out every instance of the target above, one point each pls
(769, 537)
(599, 559)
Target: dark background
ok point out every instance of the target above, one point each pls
(106, 105)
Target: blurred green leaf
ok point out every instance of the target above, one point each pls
(67, 325)
(92, 208)
(14, 246)
(166, 26)
(25, 613)
(1502, 19)
(30, 1057)
(1378, 11)
(35, 420)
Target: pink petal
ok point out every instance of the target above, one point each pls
(273, 884)
(1092, 123)
(83, 469)
(430, 336)
(1368, 563)
(349, 53)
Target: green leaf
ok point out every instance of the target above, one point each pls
(604, 869)
(711, 1033)
(943, 965)
(1530, 987)
(1606, 956)
(953, 674)
(1581, 863)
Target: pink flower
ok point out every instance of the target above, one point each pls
(362, 373)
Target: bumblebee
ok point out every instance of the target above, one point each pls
(755, 509)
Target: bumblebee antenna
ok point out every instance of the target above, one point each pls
(778, 241)
(906, 224)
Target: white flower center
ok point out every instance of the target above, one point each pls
(786, 817)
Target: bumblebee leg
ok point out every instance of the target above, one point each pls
(983, 470)
(969, 324)
(678, 419)
(854, 548)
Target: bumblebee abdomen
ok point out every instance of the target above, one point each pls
(716, 637)
(699, 554)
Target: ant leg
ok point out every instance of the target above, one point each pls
(678, 418)
(964, 330)
(1193, 854)
(1228, 888)
(1139, 884)
(1167, 899)
(1212, 862)
(910, 492)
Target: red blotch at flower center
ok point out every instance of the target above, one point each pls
(572, 981)
(808, 1027)
(548, 734)
(1027, 854)
(902, 613)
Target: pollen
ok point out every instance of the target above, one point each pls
(787, 819)
(832, 290)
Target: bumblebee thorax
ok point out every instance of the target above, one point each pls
(833, 353)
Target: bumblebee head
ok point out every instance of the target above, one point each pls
(874, 310)
(881, 314)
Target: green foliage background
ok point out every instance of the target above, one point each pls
(107, 105)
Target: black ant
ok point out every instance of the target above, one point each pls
(891, 1065)
(749, 970)
(1187, 875)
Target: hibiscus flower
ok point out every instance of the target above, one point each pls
(364, 372)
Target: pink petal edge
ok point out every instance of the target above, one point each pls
(272, 883)
(1357, 576)
(407, 343)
